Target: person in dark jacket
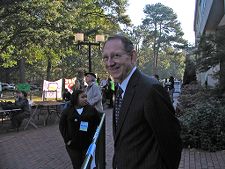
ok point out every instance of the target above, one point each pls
(66, 95)
(109, 92)
(77, 126)
(171, 88)
(22, 103)
(145, 130)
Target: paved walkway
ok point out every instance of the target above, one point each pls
(40, 148)
(43, 148)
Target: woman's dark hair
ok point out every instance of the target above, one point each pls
(23, 92)
(74, 97)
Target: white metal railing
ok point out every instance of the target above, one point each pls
(92, 147)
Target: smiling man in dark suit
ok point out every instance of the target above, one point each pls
(146, 132)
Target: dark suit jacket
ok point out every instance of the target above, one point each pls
(148, 134)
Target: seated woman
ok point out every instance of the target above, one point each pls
(21, 102)
(77, 125)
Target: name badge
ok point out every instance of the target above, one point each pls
(83, 126)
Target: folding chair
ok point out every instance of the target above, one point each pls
(30, 119)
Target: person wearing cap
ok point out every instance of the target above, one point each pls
(93, 92)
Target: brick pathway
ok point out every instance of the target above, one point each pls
(194, 159)
(43, 148)
(109, 140)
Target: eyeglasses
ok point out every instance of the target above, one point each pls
(113, 57)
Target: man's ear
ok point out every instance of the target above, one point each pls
(133, 55)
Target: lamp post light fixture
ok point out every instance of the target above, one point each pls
(79, 39)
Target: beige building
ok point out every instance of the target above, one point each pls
(209, 16)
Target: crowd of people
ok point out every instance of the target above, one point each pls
(168, 85)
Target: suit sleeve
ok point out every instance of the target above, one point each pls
(159, 113)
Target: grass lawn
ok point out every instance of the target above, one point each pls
(10, 96)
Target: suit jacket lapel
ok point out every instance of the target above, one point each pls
(128, 96)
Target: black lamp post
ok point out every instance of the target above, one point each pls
(79, 38)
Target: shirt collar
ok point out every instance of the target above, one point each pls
(124, 84)
(80, 110)
(91, 84)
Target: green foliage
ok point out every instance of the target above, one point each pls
(161, 30)
(145, 60)
(170, 60)
(203, 119)
(42, 32)
(162, 25)
(207, 50)
(190, 70)
(6, 55)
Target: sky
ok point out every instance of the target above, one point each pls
(183, 8)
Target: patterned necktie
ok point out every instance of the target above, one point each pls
(118, 103)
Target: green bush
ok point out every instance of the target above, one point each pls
(203, 121)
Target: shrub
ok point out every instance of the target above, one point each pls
(203, 120)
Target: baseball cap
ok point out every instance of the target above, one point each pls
(90, 73)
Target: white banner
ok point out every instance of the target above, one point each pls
(52, 89)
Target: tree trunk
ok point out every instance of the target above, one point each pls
(154, 51)
(63, 77)
(49, 66)
(157, 50)
(22, 70)
(222, 74)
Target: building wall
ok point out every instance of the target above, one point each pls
(209, 16)
(209, 77)
(202, 10)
